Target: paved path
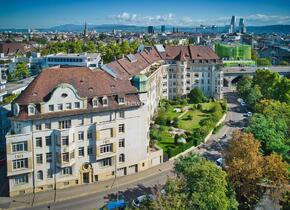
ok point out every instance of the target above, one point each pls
(95, 195)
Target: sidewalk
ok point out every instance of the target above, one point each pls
(42, 198)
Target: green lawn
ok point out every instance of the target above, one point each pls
(189, 125)
(166, 141)
(164, 138)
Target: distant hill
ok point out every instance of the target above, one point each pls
(285, 29)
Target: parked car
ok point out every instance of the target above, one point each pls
(249, 114)
(115, 205)
(220, 162)
(139, 200)
(243, 103)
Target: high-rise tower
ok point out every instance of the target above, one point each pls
(233, 25)
(242, 26)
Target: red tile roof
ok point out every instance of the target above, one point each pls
(13, 48)
(87, 82)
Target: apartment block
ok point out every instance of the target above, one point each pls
(76, 125)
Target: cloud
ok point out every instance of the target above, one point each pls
(171, 19)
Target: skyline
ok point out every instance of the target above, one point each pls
(44, 14)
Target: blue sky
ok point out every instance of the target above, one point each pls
(46, 13)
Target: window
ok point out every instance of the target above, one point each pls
(39, 159)
(19, 146)
(95, 102)
(81, 135)
(106, 162)
(38, 141)
(65, 140)
(51, 108)
(121, 113)
(38, 127)
(121, 100)
(59, 107)
(21, 179)
(68, 105)
(105, 101)
(49, 157)
(121, 142)
(48, 140)
(122, 128)
(31, 110)
(122, 158)
(65, 157)
(90, 135)
(39, 175)
(20, 163)
(81, 151)
(48, 125)
(66, 170)
(77, 105)
(64, 124)
(49, 173)
(90, 150)
(106, 148)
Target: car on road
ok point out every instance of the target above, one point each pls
(115, 205)
(220, 162)
(249, 114)
(224, 136)
(137, 202)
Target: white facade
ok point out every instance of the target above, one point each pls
(92, 60)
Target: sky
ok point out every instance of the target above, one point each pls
(48, 13)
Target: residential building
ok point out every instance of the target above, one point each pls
(75, 125)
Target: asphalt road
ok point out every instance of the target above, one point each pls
(212, 150)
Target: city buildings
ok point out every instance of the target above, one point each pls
(163, 29)
(233, 25)
(242, 26)
(150, 30)
(235, 54)
(75, 125)
(91, 60)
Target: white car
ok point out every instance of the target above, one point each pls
(139, 200)
(243, 103)
(249, 114)
(220, 162)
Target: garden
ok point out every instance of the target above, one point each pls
(182, 123)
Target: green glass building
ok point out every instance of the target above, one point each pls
(233, 51)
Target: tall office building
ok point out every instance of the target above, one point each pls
(233, 25)
(163, 29)
(242, 26)
(150, 29)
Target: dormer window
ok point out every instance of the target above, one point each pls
(95, 102)
(31, 109)
(121, 100)
(16, 109)
(105, 101)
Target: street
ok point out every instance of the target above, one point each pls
(140, 184)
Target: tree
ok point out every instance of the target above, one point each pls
(263, 62)
(254, 54)
(250, 173)
(244, 167)
(267, 82)
(253, 96)
(283, 63)
(244, 86)
(90, 47)
(199, 184)
(125, 47)
(282, 90)
(196, 95)
(21, 71)
(272, 133)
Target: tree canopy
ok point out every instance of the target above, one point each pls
(248, 170)
(196, 96)
(199, 184)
